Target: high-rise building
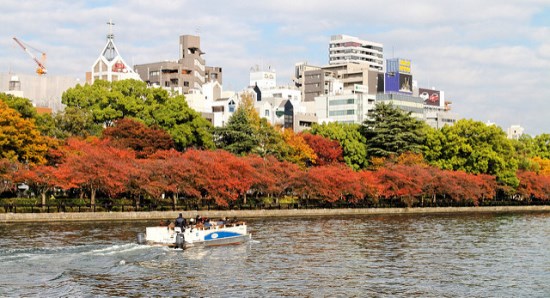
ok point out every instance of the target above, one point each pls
(189, 72)
(348, 49)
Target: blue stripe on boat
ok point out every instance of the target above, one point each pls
(220, 235)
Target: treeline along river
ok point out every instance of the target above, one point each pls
(437, 255)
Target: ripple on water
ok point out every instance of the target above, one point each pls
(504, 255)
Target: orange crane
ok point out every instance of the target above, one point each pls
(41, 70)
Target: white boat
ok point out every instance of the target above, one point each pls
(195, 235)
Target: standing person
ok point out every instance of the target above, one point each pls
(181, 222)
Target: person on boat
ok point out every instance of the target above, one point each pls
(198, 219)
(181, 222)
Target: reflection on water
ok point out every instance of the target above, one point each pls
(497, 255)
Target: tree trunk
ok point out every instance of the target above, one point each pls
(92, 198)
(244, 199)
(43, 195)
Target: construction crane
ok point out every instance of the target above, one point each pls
(41, 69)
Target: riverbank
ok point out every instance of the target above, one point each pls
(162, 215)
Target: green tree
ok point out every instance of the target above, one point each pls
(20, 104)
(525, 151)
(107, 102)
(542, 146)
(349, 137)
(391, 131)
(75, 122)
(186, 126)
(477, 148)
(246, 133)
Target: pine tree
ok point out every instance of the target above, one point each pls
(391, 131)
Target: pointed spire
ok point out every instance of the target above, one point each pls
(110, 36)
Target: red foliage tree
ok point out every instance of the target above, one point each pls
(533, 185)
(221, 176)
(7, 171)
(327, 151)
(132, 134)
(330, 184)
(40, 178)
(95, 166)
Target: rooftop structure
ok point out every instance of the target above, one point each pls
(110, 66)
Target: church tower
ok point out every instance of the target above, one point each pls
(110, 66)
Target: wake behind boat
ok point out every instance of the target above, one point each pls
(197, 233)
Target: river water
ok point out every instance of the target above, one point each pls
(466, 255)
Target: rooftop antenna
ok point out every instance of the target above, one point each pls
(111, 24)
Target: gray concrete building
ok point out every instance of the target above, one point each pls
(188, 72)
(42, 91)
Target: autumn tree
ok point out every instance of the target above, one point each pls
(300, 152)
(19, 138)
(327, 151)
(533, 185)
(40, 179)
(221, 176)
(132, 134)
(95, 166)
(7, 175)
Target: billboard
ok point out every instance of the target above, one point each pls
(397, 65)
(405, 83)
(405, 66)
(431, 97)
(391, 82)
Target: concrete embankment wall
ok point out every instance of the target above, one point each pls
(156, 215)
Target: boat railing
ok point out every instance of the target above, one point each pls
(218, 226)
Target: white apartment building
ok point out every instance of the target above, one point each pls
(514, 132)
(344, 107)
(348, 49)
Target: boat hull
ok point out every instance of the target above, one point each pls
(197, 235)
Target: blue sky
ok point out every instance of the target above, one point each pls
(491, 57)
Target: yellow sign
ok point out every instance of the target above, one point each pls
(404, 66)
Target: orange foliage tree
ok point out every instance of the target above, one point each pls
(94, 166)
(533, 185)
(40, 179)
(327, 151)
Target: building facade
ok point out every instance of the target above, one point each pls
(189, 72)
(349, 49)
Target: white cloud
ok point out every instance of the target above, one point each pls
(489, 56)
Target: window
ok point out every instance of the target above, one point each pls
(338, 102)
(154, 73)
(341, 113)
(266, 113)
(185, 84)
